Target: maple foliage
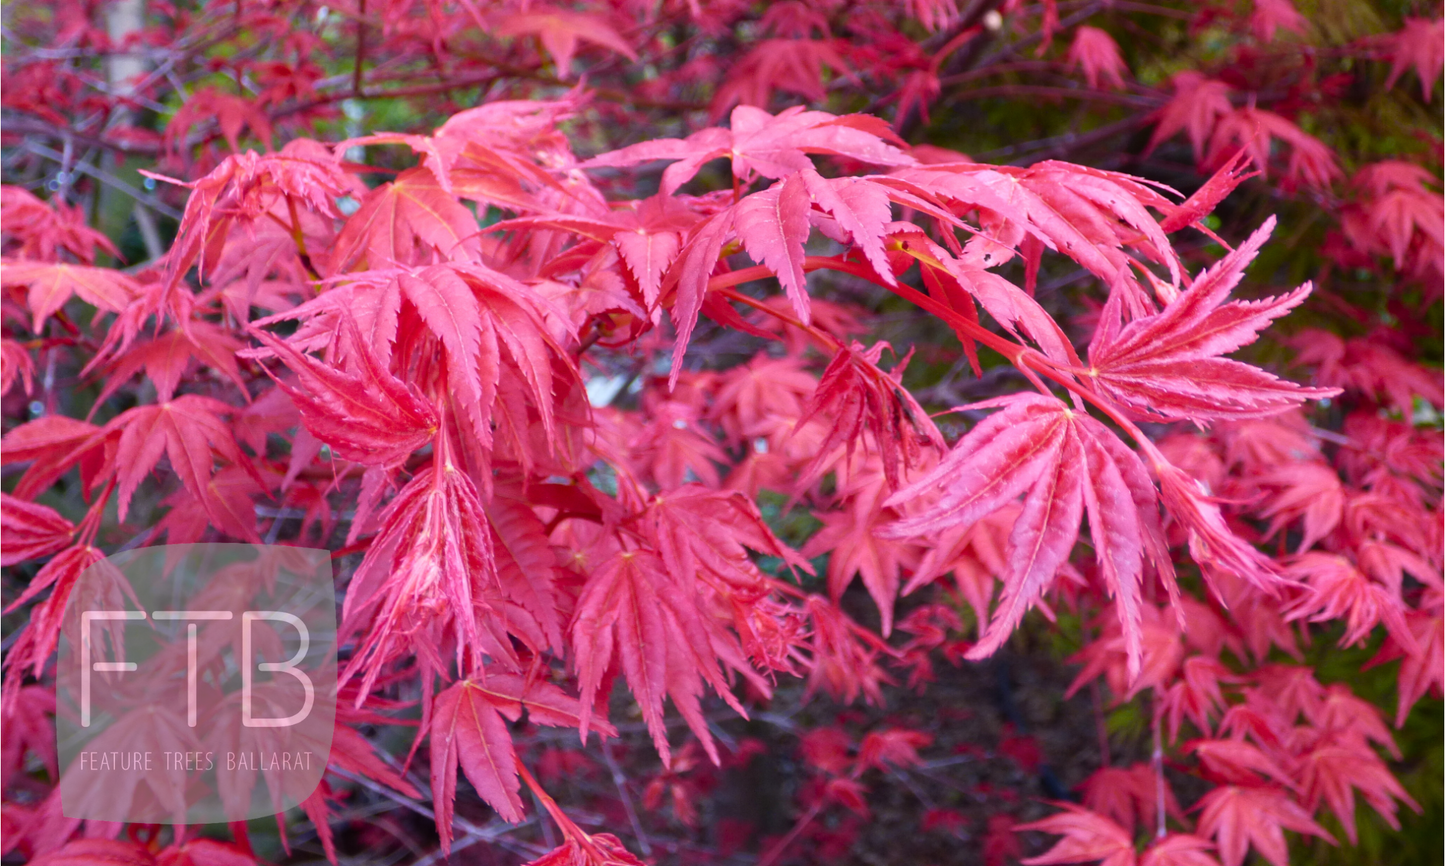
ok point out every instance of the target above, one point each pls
(647, 366)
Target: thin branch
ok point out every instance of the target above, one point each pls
(620, 781)
(108, 179)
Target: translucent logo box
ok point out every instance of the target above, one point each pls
(196, 683)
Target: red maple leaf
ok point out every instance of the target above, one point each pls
(97, 852)
(1088, 837)
(1069, 464)
(40, 230)
(1272, 15)
(29, 530)
(559, 31)
(1167, 365)
(230, 112)
(1196, 107)
(409, 221)
(468, 730)
(29, 729)
(1423, 670)
(1121, 793)
(15, 365)
(420, 586)
(1311, 163)
(1237, 818)
(369, 416)
(859, 403)
(857, 543)
(1236, 762)
(1179, 849)
(248, 190)
(1196, 695)
(1418, 44)
(35, 643)
(770, 146)
(168, 358)
(52, 444)
(708, 533)
(186, 429)
(1311, 492)
(49, 286)
(1339, 591)
(1097, 52)
(790, 65)
(666, 641)
(892, 746)
(1335, 766)
(581, 849)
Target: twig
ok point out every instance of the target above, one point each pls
(106, 178)
(490, 831)
(1100, 727)
(1158, 760)
(620, 781)
(776, 851)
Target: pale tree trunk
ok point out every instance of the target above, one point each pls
(123, 69)
(122, 19)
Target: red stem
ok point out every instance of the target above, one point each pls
(803, 822)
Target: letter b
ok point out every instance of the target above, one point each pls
(287, 667)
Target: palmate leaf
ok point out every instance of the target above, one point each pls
(15, 365)
(708, 533)
(370, 416)
(1422, 670)
(771, 146)
(37, 640)
(406, 222)
(1236, 762)
(1088, 838)
(1339, 764)
(855, 547)
(1417, 45)
(559, 31)
(42, 229)
(247, 189)
(1179, 849)
(1167, 365)
(1097, 52)
(647, 237)
(97, 852)
(1088, 214)
(1068, 464)
(48, 286)
(526, 565)
(490, 329)
(167, 358)
(1238, 818)
(418, 590)
(52, 444)
(1120, 793)
(186, 430)
(581, 849)
(469, 730)
(773, 225)
(689, 275)
(857, 401)
(665, 639)
(29, 530)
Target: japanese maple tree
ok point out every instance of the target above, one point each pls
(651, 366)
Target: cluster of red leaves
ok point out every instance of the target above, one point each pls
(528, 539)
